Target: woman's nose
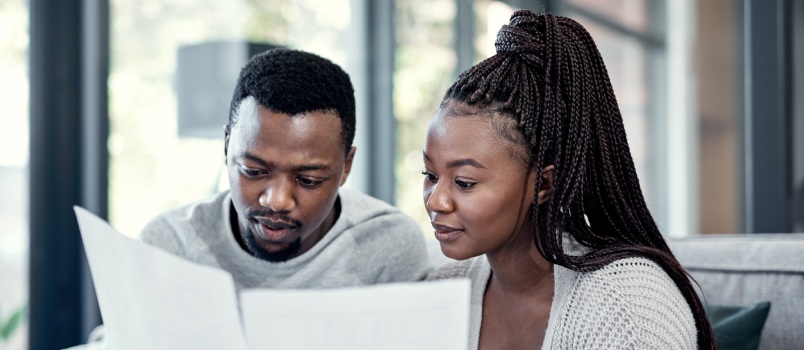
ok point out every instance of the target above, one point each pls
(438, 200)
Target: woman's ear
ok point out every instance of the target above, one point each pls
(546, 181)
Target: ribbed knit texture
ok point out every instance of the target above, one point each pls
(629, 304)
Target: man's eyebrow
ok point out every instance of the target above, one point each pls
(459, 162)
(311, 167)
(298, 168)
(256, 159)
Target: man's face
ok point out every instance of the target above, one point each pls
(284, 175)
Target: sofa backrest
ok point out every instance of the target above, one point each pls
(742, 270)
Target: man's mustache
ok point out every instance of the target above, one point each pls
(272, 215)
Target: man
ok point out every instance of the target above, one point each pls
(286, 222)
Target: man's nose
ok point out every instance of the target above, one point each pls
(279, 196)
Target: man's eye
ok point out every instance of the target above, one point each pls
(308, 182)
(430, 177)
(465, 184)
(251, 172)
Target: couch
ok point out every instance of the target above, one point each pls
(742, 270)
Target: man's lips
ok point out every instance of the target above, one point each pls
(445, 233)
(276, 225)
(274, 230)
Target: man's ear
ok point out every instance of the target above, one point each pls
(546, 180)
(347, 164)
(225, 142)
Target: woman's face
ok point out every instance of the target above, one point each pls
(475, 189)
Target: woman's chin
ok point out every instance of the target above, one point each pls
(456, 253)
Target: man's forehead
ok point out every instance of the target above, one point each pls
(250, 106)
(286, 142)
(253, 116)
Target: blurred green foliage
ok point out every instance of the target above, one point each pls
(8, 326)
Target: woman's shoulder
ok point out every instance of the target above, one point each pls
(639, 294)
(633, 272)
(635, 279)
(452, 269)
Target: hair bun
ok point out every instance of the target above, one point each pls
(522, 35)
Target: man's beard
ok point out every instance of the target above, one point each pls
(281, 255)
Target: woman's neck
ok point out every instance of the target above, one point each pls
(519, 269)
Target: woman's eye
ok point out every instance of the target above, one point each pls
(308, 182)
(465, 184)
(430, 177)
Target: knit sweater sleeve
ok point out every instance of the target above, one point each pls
(452, 269)
(629, 304)
(160, 233)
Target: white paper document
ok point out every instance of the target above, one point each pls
(421, 316)
(151, 299)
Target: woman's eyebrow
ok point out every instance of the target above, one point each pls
(465, 162)
(459, 162)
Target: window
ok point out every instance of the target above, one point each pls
(14, 165)
(152, 167)
(632, 51)
(425, 68)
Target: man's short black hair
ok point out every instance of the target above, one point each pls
(294, 82)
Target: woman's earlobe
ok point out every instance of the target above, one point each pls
(546, 180)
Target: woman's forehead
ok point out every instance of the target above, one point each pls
(488, 128)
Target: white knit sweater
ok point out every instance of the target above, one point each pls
(629, 304)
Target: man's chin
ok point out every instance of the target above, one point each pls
(274, 255)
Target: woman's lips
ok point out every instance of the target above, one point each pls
(445, 233)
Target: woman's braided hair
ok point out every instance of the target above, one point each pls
(549, 76)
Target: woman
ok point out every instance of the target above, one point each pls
(530, 184)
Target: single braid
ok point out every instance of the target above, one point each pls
(548, 76)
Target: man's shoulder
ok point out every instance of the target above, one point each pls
(190, 219)
(366, 214)
(359, 202)
(382, 236)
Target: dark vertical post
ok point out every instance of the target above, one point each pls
(767, 138)
(464, 35)
(380, 50)
(55, 174)
(797, 38)
(68, 163)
